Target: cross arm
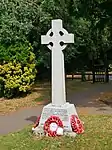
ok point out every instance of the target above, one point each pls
(45, 39)
(68, 38)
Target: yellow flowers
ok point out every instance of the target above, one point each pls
(18, 77)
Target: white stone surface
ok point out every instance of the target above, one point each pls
(72, 134)
(58, 72)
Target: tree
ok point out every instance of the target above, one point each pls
(23, 20)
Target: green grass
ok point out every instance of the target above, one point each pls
(97, 136)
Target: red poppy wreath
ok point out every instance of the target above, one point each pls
(53, 126)
(77, 125)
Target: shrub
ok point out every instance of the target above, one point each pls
(1, 87)
(17, 77)
(19, 52)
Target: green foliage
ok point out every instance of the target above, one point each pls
(17, 77)
(19, 52)
(16, 19)
(79, 17)
(23, 20)
(1, 87)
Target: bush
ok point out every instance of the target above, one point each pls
(17, 77)
(1, 87)
(19, 52)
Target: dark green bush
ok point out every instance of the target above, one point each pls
(19, 52)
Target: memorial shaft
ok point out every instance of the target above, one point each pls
(58, 77)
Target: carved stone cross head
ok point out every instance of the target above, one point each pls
(57, 36)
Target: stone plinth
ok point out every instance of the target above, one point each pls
(64, 112)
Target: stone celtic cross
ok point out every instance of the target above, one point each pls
(56, 40)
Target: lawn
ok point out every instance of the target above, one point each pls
(40, 94)
(97, 136)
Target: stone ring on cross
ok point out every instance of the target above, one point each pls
(57, 36)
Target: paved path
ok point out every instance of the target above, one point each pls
(18, 120)
(84, 100)
(87, 98)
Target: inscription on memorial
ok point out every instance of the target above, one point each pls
(58, 112)
(62, 113)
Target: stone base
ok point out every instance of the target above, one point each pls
(64, 112)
